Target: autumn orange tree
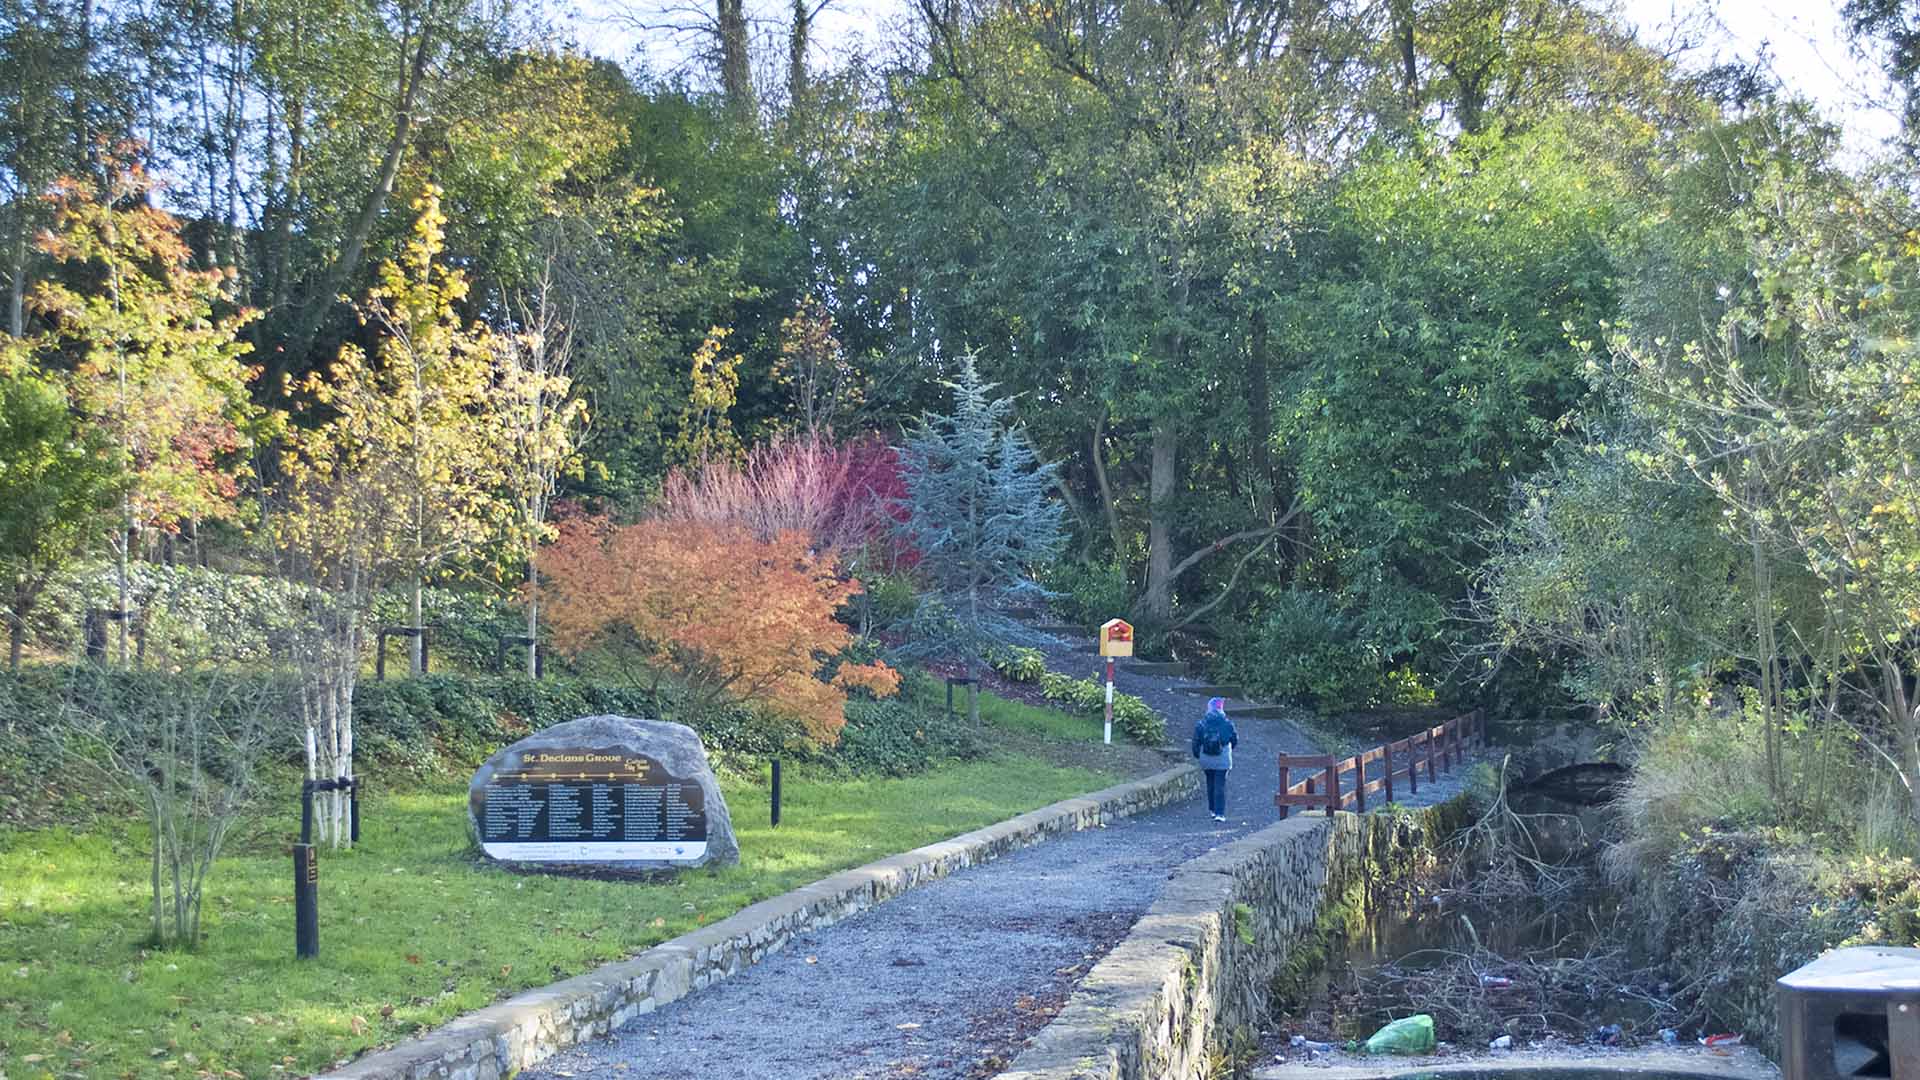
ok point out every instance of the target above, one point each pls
(730, 614)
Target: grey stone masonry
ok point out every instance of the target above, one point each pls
(1196, 968)
(498, 1041)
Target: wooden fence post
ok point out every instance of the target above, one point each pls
(1333, 789)
(1386, 765)
(1284, 785)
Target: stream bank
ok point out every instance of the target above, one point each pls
(1514, 945)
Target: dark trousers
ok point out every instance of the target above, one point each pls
(1217, 791)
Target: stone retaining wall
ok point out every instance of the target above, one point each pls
(496, 1041)
(1194, 976)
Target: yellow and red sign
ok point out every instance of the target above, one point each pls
(1116, 638)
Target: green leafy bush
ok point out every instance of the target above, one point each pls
(1305, 649)
(1018, 664)
(1088, 594)
(895, 737)
(1134, 717)
(191, 611)
(885, 599)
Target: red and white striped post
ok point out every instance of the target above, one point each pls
(1107, 734)
(1116, 639)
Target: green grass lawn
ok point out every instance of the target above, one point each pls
(1034, 720)
(1010, 715)
(413, 931)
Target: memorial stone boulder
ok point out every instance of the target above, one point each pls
(604, 795)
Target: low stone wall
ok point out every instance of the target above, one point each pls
(523, 1030)
(1193, 978)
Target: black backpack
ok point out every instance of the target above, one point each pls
(1210, 741)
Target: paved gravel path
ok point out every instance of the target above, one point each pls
(949, 980)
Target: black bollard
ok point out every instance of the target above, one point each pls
(306, 861)
(306, 901)
(776, 792)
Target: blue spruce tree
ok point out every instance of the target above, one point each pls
(980, 511)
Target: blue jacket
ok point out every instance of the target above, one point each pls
(1215, 727)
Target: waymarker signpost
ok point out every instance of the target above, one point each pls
(1116, 639)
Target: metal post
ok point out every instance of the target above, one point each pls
(1108, 736)
(1386, 764)
(306, 811)
(1284, 784)
(352, 787)
(1333, 788)
(306, 901)
(776, 792)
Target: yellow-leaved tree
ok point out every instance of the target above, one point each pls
(430, 402)
(153, 358)
(404, 477)
(544, 422)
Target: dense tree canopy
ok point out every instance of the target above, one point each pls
(1405, 321)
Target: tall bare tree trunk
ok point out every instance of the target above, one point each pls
(296, 120)
(1260, 418)
(236, 58)
(1904, 712)
(314, 312)
(17, 256)
(797, 35)
(1157, 604)
(1098, 451)
(1767, 650)
(736, 66)
(1402, 11)
(82, 123)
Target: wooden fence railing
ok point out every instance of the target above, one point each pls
(1435, 750)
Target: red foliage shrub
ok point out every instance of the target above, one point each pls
(843, 497)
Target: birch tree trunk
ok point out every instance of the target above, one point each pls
(417, 650)
(533, 619)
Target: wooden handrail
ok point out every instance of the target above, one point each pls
(1445, 747)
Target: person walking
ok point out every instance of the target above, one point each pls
(1213, 741)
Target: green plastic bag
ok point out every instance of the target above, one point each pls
(1411, 1035)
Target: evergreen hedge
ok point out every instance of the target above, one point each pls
(440, 721)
